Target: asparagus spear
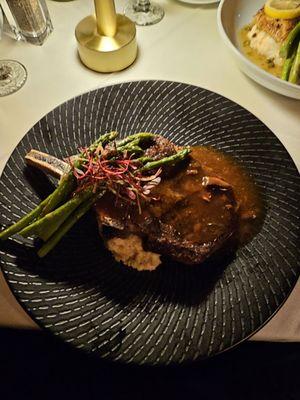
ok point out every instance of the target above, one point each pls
(103, 140)
(68, 182)
(181, 155)
(134, 150)
(66, 226)
(295, 71)
(141, 137)
(24, 221)
(287, 66)
(61, 193)
(46, 226)
(144, 159)
(129, 145)
(52, 231)
(286, 48)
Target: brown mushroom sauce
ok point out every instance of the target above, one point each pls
(248, 198)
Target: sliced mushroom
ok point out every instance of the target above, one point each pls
(215, 181)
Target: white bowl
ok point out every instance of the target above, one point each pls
(204, 2)
(232, 16)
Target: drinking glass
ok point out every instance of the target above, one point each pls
(144, 12)
(13, 75)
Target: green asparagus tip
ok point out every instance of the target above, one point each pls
(171, 160)
(137, 138)
(66, 226)
(294, 76)
(287, 45)
(24, 221)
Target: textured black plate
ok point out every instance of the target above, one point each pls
(176, 313)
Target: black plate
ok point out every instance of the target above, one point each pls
(176, 313)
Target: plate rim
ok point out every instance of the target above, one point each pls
(199, 2)
(142, 364)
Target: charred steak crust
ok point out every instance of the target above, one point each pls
(188, 222)
(160, 148)
(183, 250)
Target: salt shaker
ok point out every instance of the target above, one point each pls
(28, 19)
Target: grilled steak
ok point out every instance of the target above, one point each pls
(191, 216)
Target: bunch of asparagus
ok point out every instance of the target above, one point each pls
(290, 51)
(56, 215)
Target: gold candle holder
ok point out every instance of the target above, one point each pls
(106, 41)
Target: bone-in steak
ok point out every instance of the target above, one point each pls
(191, 217)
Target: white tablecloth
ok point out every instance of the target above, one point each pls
(185, 46)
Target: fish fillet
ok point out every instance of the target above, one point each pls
(265, 45)
(278, 29)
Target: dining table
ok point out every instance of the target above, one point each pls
(185, 46)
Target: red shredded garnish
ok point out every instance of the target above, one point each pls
(118, 172)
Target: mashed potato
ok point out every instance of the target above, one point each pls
(130, 251)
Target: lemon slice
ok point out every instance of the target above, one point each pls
(283, 9)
